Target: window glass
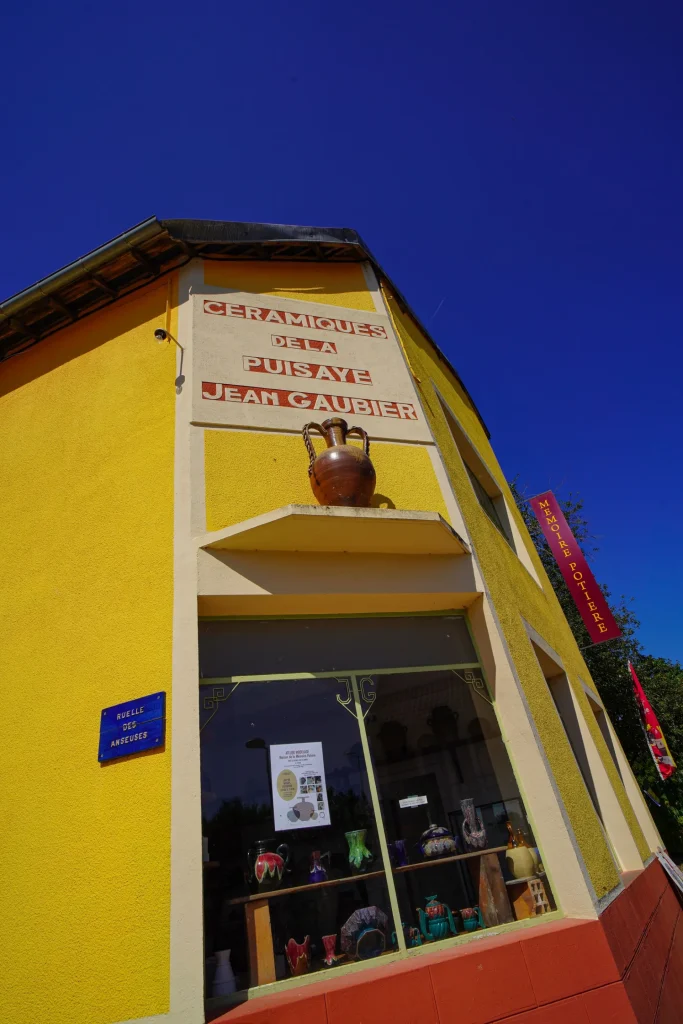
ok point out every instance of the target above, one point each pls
(328, 804)
(486, 502)
(232, 647)
(351, 815)
(447, 789)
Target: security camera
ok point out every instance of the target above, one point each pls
(160, 334)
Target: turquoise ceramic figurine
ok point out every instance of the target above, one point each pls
(413, 936)
(472, 919)
(436, 920)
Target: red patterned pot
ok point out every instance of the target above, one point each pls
(266, 869)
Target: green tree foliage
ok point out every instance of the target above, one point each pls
(661, 678)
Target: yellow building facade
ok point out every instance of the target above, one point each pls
(160, 535)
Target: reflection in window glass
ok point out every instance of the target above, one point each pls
(295, 820)
(332, 836)
(486, 502)
(446, 790)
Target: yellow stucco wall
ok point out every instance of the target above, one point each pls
(515, 595)
(86, 462)
(405, 477)
(337, 284)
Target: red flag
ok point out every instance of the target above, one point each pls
(580, 581)
(661, 754)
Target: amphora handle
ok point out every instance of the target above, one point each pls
(359, 432)
(309, 444)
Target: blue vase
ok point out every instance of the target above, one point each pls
(398, 853)
(317, 872)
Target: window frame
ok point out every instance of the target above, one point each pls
(360, 708)
(478, 471)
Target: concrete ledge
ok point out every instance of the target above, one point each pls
(326, 528)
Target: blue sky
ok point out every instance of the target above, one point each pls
(516, 167)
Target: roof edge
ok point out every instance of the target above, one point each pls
(201, 238)
(91, 261)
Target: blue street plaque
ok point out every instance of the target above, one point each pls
(133, 726)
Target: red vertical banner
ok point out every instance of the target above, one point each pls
(587, 596)
(659, 749)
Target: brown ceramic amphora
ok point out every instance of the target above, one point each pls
(342, 474)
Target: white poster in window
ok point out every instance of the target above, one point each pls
(299, 790)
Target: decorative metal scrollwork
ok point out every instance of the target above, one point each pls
(348, 701)
(367, 696)
(473, 679)
(215, 700)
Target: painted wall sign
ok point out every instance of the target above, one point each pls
(587, 595)
(250, 369)
(132, 726)
(298, 782)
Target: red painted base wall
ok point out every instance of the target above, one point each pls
(626, 968)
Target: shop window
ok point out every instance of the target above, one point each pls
(615, 828)
(485, 487)
(489, 494)
(603, 726)
(351, 806)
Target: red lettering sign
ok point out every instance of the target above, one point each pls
(307, 344)
(587, 595)
(317, 371)
(305, 400)
(263, 315)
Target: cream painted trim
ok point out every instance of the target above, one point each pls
(338, 581)
(198, 480)
(374, 289)
(187, 940)
(633, 790)
(616, 826)
(610, 825)
(545, 647)
(562, 858)
(162, 1018)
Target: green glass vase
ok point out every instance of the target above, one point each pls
(359, 856)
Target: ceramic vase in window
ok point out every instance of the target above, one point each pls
(473, 830)
(224, 979)
(317, 872)
(472, 919)
(341, 474)
(413, 936)
(330, 947)
(521, 862)
(437, 841)
(298, 956)
(364, 934)
(398, 853)
(360, 857)
(266, 869)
